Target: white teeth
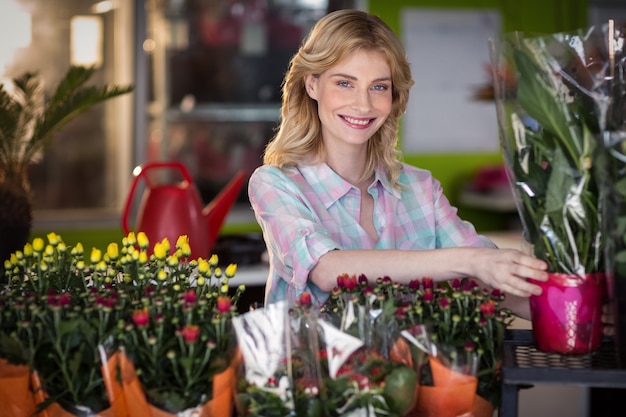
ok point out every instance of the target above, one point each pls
(357, 121)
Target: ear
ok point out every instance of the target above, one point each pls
(310, 84)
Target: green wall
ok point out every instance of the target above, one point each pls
(531, 16)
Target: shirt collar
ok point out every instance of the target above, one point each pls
(330, 187)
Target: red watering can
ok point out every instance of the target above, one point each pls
(170, 210)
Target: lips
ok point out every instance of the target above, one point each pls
(358, 122)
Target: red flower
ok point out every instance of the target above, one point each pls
(223, 304)
(428, 283)
(305, 299)
(414, 284)
(141, 318)
(189, 297)
(191, 333)
(488, 308)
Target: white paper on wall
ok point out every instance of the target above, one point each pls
(448, 50)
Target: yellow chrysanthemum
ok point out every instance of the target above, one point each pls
(142, 240)
(113, 251)
(96, 255)
(231, 270)
(38, 244)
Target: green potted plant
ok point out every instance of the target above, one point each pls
(552, 126)
(29, 119)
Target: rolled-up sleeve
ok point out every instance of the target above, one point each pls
(293, 232)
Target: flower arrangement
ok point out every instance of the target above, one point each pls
(459, 313)
(328, 371)
(349, 358)
(65, 315)
(551, 127)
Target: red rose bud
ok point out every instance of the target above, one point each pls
(428, 296)
(444, 303)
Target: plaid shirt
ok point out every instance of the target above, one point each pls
(307, 211)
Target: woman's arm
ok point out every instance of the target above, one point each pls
(505, 269)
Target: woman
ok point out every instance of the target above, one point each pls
(332, 196)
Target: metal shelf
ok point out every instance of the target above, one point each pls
(523, 366)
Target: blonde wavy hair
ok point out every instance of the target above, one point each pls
(334, 37)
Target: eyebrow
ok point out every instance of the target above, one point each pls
(352, 77)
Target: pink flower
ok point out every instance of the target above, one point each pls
(223, 304)
(428, 283)
(191, 333)
(488, 308)
(189, 297)
(141, 318)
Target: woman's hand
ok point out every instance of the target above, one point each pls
(508, 270)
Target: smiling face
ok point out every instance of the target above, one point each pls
(353, 98)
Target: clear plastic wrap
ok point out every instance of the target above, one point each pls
(561, 121)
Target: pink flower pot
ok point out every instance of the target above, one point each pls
(566, 317)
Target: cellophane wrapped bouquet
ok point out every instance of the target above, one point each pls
(367, 351)
(561, 121)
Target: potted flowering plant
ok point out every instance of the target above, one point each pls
(459, 313)
(178, 332)
(57, 318)
(327, 370)
(63, 316)
(553, 128)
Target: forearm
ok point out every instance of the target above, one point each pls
(400, 265)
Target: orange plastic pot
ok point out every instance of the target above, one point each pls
(138, 406)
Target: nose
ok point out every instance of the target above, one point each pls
(362, 101)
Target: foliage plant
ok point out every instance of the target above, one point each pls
(554, 129)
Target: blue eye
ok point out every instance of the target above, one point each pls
(381, 87)
(344, 83)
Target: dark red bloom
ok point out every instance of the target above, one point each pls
(414, 284)
(189, 297)
(428, 283)
(488, 308)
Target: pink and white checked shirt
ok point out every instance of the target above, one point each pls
(309, 210)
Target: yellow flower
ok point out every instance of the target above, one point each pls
(172, 260)
(162, 275)
(166, 244)
(201, 281)
(49, 250)
(130, 239)
(53, 238)
(214, 260)
(43, 266)
(181, 241)
(143, 258)
(218, 272)
(142, 239)
(231, 270)
(224, 289)
(78, 249)
(28, 249)
(101, 266)
(203, 267)
(96, 255)
(62, 247)
(160, 250)
(38, 244)
(113, 251)
(80, 265)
